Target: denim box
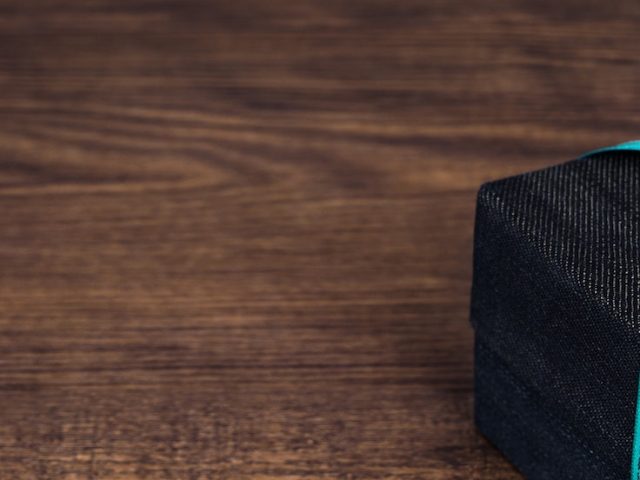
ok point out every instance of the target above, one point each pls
(556, 312)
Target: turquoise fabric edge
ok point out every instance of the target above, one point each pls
(631, 145)
(635, 455)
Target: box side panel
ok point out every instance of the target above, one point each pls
(556, 340)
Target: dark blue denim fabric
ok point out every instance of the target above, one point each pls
(556, 311)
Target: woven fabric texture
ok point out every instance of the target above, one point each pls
(555, 305)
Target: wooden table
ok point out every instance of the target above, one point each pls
(235, 237)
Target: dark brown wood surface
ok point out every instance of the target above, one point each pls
(235, 237)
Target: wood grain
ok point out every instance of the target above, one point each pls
(235, 237)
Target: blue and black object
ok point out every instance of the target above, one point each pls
(556, 312)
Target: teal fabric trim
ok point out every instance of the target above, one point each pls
(632, 145)
(635, 455)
